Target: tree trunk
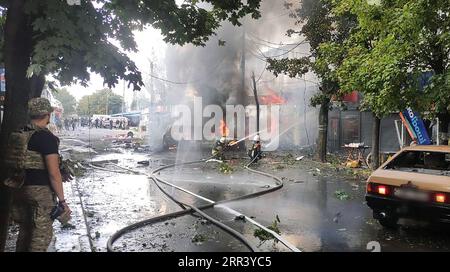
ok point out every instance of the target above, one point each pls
(17, 53)
(323, 132)
(376, 142)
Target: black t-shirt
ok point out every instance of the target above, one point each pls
(46, 143)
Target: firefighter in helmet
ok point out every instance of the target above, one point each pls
(219, 148)
(254, 152)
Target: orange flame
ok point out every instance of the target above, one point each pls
(224, 129)
(272, 98)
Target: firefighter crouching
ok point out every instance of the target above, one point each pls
(33, 162)
(254, 152)
(219, 148)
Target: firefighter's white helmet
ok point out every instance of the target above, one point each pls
(256, 138)
(222, 140)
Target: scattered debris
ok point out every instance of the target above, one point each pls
(198, 238)
(299, 158)
(336, 217)
(240, 218)
(105, 162)
(225, 168)
(97, 234)
(341, 195)
(353, 164)
(289, 159)
(68, 226)
(145, 163)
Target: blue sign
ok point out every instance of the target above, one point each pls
(2, 81)
(417, 126)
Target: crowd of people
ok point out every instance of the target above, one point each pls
(72, 123)
(67, 124)
(109, 122)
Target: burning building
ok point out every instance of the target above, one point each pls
(220, 75)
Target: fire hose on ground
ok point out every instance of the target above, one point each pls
(189, 209)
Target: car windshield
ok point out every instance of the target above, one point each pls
(427, 162)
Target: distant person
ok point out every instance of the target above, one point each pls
(59, 125)
(73, 123)
(96, 122)
(66, 124)
(111, 124)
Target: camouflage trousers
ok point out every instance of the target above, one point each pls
(31, 210)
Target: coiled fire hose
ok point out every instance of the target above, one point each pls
(191, 209)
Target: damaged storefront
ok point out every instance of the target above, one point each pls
(349, 125)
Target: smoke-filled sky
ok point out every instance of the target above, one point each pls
(218, 65)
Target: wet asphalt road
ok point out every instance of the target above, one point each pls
(312, 217)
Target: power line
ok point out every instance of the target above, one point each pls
(261, 73)
(214, 70)
(270, 42)
(267, 81)
(285, 53)
(261, 58)
(170, 81)
(279, 48)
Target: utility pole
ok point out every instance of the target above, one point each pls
(123, 97)
(152, 89)
(255, 93)
(243, 59)
(107, 101)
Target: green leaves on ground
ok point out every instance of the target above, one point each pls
(341, 195)
(265, 235)
(225, 168)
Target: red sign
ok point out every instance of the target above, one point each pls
(352, 97)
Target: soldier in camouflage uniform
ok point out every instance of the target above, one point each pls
(35, 194)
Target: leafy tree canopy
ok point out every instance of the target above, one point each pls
(389, 55)
(319, 25)
(71, 40)
(67, 100)
(101, 102)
